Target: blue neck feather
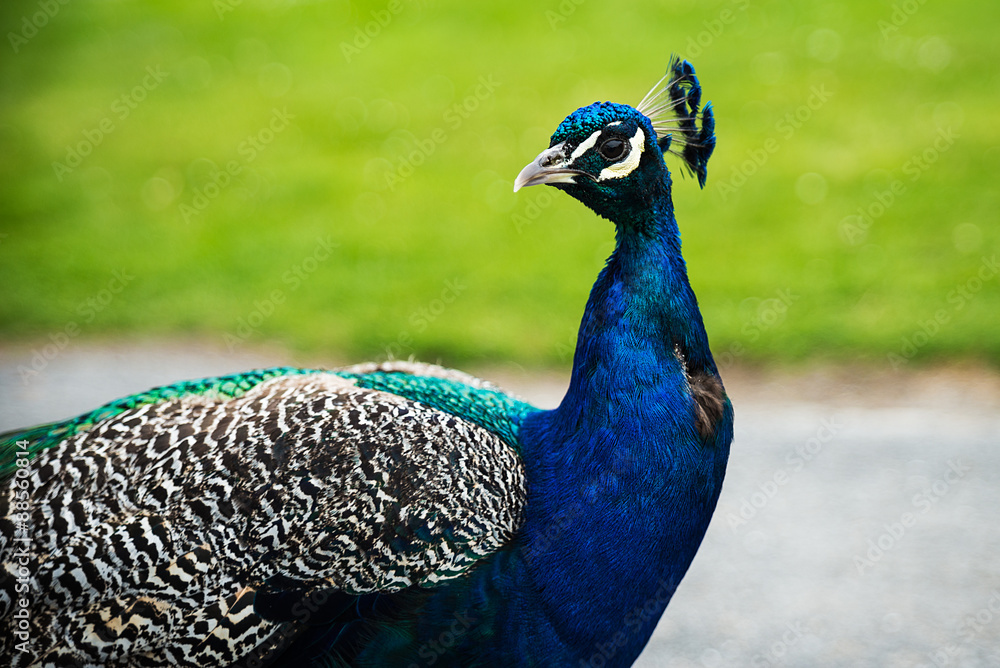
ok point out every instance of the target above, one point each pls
(616, 470)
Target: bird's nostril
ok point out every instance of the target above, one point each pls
(554, 157)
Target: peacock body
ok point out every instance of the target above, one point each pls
(398, 514)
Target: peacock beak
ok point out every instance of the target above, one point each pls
(551, 166)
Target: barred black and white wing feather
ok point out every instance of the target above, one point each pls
(158, 527)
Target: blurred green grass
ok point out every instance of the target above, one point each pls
(449, 264)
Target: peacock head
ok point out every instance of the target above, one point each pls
(610, 156)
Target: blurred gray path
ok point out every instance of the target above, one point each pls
(859, 524)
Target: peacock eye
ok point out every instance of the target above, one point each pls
(613, 149)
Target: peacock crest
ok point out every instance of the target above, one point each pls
(672, 107)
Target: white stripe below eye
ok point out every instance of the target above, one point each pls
(625, 167)
(585, 146)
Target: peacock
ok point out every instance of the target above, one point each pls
(398, 513)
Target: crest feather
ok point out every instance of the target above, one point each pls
(672, 107)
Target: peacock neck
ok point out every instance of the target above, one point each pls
(616, 470)
(642, 319)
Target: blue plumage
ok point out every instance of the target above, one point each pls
(402, 514)
(622, 478)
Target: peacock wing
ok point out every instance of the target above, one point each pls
(153, 530)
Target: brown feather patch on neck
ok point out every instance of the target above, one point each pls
(708, 393)
(709, 401)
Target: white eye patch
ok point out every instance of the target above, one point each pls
(585, 146)
(637, 144)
